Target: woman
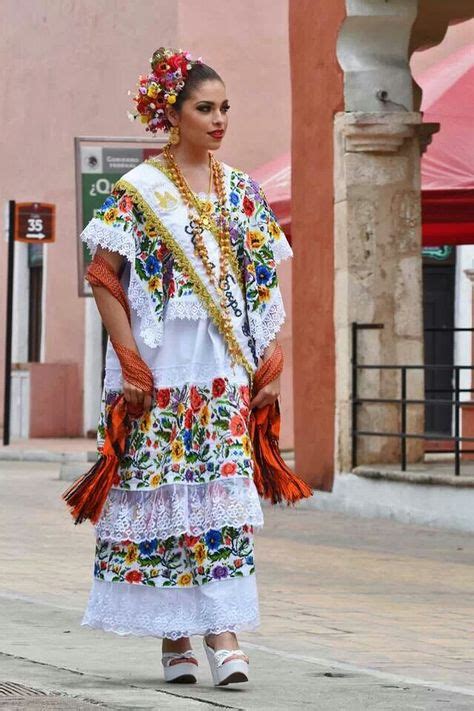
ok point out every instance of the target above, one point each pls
(195, 244)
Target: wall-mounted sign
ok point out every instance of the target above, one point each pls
(35, 222)
(440, 254)
(100, 162)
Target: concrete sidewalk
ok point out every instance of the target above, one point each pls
(356, 615)
(64, 449)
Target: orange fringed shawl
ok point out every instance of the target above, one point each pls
(273, 479)
(86, 497)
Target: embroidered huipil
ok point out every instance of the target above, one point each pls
(174, 550)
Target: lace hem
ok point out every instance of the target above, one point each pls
(173, 509)
(281, 249)
(190, 308)
(220, 606)
(264, 330)
(177, 375)
(96, 234)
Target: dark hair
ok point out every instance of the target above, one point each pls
(197, 75)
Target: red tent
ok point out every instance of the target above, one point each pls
(447, 166)
(275, 179)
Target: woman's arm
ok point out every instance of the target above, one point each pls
(270, 392)
(117, 326)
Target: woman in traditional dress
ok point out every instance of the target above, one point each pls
(194, 244)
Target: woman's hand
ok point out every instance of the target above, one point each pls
(267, 395)
(270, 392)
(136, 398)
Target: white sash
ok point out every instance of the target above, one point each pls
(164, 199)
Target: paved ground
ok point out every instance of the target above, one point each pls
(357, 615)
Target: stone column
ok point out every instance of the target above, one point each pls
(378, 275)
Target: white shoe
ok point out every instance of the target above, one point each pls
(223, 672)
(180, 672)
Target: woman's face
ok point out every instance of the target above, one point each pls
(202, 119)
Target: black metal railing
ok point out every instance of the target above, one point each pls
(404, 401)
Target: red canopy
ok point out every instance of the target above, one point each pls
(275, 179)
(447, 167)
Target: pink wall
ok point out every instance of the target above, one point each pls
(67, 67)
(456, 37)
(247, 43)
(54, 411)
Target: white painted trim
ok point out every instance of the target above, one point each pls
(20, 404)
(463, 313)
(44, 286)
(21, 292)
(92, 364)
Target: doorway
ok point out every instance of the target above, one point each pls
(438, 312)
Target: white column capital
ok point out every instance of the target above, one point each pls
(377, 132)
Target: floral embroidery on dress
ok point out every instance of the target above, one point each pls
(185, 504)
(193, 434)
(254, 233)
(252, 216)
(179, 561)
(261, 245)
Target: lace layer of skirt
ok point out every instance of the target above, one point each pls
(226, 605)
(197, 373)
(173, 509)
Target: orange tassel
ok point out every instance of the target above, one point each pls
(86, 497)
(273, 478)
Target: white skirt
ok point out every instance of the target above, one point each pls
(225, 605)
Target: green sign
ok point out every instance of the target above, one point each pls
(99, 165)
(439, 253)
(95, 189)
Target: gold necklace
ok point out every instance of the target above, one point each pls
(206, 205)
(206, 218)
(200, 221)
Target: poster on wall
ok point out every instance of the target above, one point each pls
(99, 163)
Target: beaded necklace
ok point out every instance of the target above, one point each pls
(200, 219)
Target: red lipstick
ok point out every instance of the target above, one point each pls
(217, 134)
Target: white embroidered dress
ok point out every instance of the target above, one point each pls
(174, 552)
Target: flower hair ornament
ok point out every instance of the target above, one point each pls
(160, 88)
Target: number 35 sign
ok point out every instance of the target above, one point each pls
(35, 222)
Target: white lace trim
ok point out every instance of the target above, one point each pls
(218, 606)
(281, 249)
(151, 327)
(177, 375)
(264, 330)
(173, 509)
(189, 307)
(98, 234)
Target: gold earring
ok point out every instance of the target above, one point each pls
(174, 135)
